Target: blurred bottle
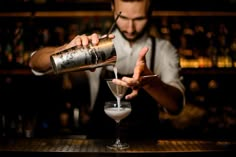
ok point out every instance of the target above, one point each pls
(58, 36)
(196, 94)
(187, 41)
(175, 32)
(19, 126)
(223, 47)
(12, 134)
(1, 47)
(200, 40)
(73, 31)
(223, 40)
(3, 127)
(66, 119)
(29, 126)
(211, 50)
(233, 49)
(165, 29)
(18, 44)
(8, 48)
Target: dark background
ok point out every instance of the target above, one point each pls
(32, 5)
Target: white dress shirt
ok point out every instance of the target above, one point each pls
(166, 62)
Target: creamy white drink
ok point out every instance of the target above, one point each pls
(118, 113)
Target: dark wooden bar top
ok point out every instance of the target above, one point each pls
(84, 147)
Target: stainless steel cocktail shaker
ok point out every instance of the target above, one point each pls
(84, 58)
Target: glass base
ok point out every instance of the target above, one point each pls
(118, 145)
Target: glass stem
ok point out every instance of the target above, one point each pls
(118, 133)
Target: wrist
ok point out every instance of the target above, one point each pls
(152, 83)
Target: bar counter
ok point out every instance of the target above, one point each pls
(71, 147)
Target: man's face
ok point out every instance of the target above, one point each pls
(133, 18)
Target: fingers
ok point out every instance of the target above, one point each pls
(120, 82)
(85, 40)
(133, 94)
(111, 36)
(140, 63)
(127, 82)
(142, 54)
(94, 39)
(135, 82)
(130, 83)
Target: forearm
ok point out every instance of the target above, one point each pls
(166, 95)
(40, 60)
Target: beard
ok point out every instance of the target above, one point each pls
(137, 36)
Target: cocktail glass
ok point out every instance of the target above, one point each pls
(117, 90)
(117, 113)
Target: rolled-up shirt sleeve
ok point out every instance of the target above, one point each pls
(168, 66)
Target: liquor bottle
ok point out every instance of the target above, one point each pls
(3, 127)
(12, 127)
(66, 119)
(187, 41)
(164, 29)
(28, 128)
(211, 52)
(19, 126)
(233, 49)
(222, 38)
(8, 48)
(223, 47)
(18, 43)
(1, 47)
(175, 31)
(76, 118)
(200, 39)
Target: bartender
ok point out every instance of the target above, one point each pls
(138, 53)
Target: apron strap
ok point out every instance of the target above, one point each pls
(153, 53)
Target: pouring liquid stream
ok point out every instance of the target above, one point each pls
(117, 88)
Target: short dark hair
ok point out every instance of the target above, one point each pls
(149, 9)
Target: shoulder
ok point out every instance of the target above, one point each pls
(163, 42)
(163, 45)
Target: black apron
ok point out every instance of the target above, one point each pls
(143, 121)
